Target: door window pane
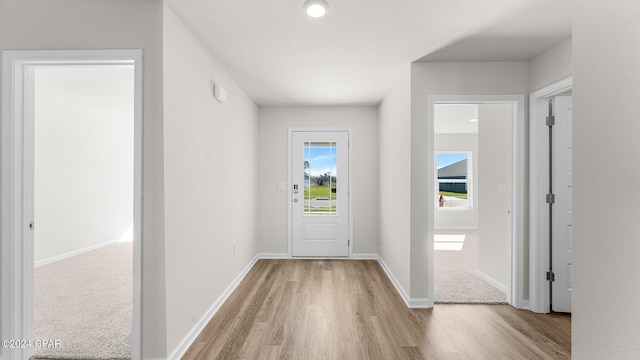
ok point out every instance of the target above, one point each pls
(320, 178)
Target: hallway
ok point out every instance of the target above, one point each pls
(344, 309)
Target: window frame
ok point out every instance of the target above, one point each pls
(468, 181)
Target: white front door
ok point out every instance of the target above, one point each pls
(320, 193)
(562, 217)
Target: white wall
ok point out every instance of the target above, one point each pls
(606, 240)
(211, 177)
(551, 66)
(113, 24)
(459, 218)
(273, 169)
(448, 78)
(395, 172)
(83, 157)
(495, 170)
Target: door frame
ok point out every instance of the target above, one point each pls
(515, 290)
(538, 188)
(291, 130)
(17, 168)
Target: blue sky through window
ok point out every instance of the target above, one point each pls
(448, 159)
(321, 158)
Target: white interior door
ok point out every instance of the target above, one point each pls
(320, 193)
(562, 217)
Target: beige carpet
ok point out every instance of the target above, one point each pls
(456, 264)
(86, 303)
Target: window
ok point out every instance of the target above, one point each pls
(453, 180)
(320, 178)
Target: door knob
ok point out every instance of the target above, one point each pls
(295, 200)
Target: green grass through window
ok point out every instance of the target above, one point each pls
(452, 194)
(319, 192)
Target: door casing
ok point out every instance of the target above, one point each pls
(515, 294)
(291, 130)
(17, 168)
(562, 211)
(538, 188)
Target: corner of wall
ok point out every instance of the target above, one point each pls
(394, 129)
(551, 66)
(209, 148)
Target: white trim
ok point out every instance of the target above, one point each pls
(403, 294)
(414, 303)
(273, 256)
(314, 258)
(493, 282)
(290, 132)
(420, 303)
(186, 342)
(73, 253)
(538, 188)
(138, 190)
(13, 316)
(515, 295)
(17, 211)
(456, 228)
(280, 256)
(364, 256)
(431, 211)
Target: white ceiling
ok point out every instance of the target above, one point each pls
(280, 56)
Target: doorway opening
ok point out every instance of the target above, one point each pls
(492, 236)
(473, 158)
(72, 140)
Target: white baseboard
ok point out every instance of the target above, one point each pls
(273, 256)
(422, 303)
(394, 281)
(356, 256)
(455, 228)
(364, 256)
(73, 253)
(493, 282)
(417, 303)
(184, 345)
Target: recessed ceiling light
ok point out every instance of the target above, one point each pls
(473, 120)
(316, 8)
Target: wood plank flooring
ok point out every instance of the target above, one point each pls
(342, 309)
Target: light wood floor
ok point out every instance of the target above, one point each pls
(341, 309)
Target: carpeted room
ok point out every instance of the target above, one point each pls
(456, 279)
(85, 302)
(83, 206)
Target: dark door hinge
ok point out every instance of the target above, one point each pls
(551, 276)
(551, 120)
(551, 198)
